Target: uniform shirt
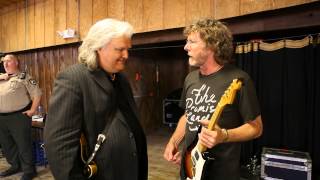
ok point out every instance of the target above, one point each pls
(17, 92)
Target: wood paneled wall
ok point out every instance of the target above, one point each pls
(153, 74)
(31, 24)
(44, 65)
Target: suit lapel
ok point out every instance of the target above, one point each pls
(125, 86)
(100, 78)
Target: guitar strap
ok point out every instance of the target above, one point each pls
(101, 138)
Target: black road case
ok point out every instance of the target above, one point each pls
(171, 111)
(285, 164)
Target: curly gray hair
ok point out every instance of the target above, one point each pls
(217, 37)
(100, 34)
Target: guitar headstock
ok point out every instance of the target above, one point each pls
(229, 94)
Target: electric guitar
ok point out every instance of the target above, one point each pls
(196, 156)
(89, 170)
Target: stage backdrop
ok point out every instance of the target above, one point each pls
(286, 74)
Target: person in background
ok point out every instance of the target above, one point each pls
(209, 47)
(20, 96)
(85, 98)
(1, 64)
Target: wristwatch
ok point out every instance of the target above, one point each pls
(225, 134)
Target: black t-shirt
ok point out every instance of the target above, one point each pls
(200, 97)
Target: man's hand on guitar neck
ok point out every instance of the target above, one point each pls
(210, 138)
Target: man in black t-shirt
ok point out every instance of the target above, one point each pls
(209, 47)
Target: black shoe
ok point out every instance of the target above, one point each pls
(28, 176)
(9, 172)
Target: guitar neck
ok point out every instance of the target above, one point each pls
(212, 124)
(227, 98)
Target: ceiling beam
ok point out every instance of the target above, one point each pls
(4, 3)
(296, 17)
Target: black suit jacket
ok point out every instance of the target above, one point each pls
(81, 102)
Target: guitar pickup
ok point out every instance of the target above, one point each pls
(195, 158)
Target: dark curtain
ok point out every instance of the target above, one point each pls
(2, 68)
(286, 74)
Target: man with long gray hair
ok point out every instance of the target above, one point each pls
(92, 98)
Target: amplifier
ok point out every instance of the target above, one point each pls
(171, 111)
(279, 164)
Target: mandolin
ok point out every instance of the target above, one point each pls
(89, 170)
(196, 156)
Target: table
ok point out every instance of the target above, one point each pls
(38, 144)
